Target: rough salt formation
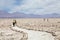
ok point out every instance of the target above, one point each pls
(52, 26)
(8, 34)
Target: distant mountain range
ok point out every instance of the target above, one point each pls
(4, 14)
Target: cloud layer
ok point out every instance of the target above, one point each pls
(6, 4)
(34, 6)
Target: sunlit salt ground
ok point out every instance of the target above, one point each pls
(35, 35)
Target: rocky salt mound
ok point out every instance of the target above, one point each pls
(8, 34)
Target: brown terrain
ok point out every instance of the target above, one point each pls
(50, 25)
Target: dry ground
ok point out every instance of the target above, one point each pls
(51, 25)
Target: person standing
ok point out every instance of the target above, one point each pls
(14, 23)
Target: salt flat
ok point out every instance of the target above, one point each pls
(51, 26)
(35, 35)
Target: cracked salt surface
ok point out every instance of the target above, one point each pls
(35, 35)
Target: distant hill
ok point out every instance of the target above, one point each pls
(53, 15)
(4, 14)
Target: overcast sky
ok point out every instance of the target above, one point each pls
(31, 6)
